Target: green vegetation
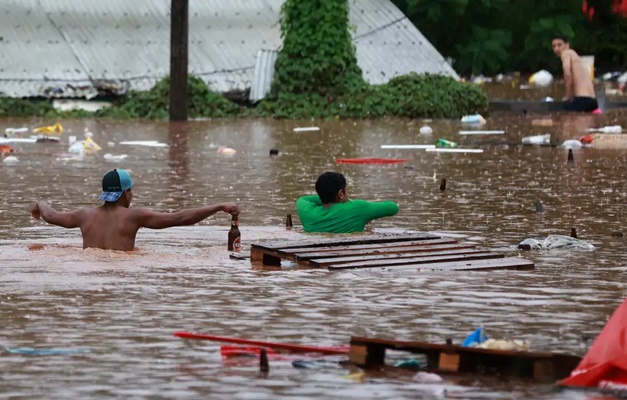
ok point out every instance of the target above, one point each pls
(153, 104)
(490, 36)
(317, 76)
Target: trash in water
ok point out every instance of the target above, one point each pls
(426, 130)
(475, 338)
(148, 143)
(71, 140)
(496, 132)
(556, 242)
(445, 143)
(541, 78)
(537, 139)
(91, 146)
(47, 140)
(111, 157)
(111, 144)
(4, 149)
(473, 119)
(607, 129)
(13, 131)
(542, 122)
(547, 100)
(55, 129)
(226, 151)
(513, 345)
(408, 146)
(307, 129)
(45, 352)
(572, 144)
(458, 150)
(10, 160)
(411, 363)
(18, 140)
(81, 148)
(426, 377)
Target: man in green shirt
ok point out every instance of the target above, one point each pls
(331, 210)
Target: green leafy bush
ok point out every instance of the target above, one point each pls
(154, 103)
(317, 76)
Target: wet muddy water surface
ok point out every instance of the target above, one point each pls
(124, 307)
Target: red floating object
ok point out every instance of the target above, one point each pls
(334, 350)
(370, 160)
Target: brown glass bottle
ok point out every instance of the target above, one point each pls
(288, 222)
(234, 235)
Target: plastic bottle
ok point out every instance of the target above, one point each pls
(473, 119)
(445, 143)
(537, 139)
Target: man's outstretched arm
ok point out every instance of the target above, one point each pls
(154, 220)
(70, 219)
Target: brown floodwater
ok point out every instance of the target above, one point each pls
(124, 307)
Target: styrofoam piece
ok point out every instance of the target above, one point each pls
(455, 150)
(16, 130)
(17, 140)
(408, 146)
(148, 143)
(481, 132)
(307, 129)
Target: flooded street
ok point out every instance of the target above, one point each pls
(124, 307)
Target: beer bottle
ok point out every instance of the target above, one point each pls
(234, 235)
(288, 222)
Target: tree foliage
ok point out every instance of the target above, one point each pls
(317, 76)
(489, 36)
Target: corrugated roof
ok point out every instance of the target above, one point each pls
(68, 44)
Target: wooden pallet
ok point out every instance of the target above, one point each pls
(422, 251)
(441, 358)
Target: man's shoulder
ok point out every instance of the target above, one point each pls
(569, 54)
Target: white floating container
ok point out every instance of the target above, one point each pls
(147, 143)
(408, 146)
(481, 132)
(17, 140)
(455, 150)
(307, 129)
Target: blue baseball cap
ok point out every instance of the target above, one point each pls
(114, 184)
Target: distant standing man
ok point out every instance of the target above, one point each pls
(579, 89)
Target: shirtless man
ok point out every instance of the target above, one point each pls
(579, 88)
(114, 225)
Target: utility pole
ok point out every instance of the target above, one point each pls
(179, 37)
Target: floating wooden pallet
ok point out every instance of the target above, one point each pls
(542, 367)
(409, 251)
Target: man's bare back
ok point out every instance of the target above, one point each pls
(114, 225)
(577, 71)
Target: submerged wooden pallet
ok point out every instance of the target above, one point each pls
(539, 366)
(408, 251)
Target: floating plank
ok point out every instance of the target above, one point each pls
(339, 350)
(481, 132)
(339, 241)
(425, 242)
(454, 150)
(478, 255)
(540, 366)
(408, 146)
(370, 161)
(475, 265)
(307, 129)
(410, 249)
(323, 262)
